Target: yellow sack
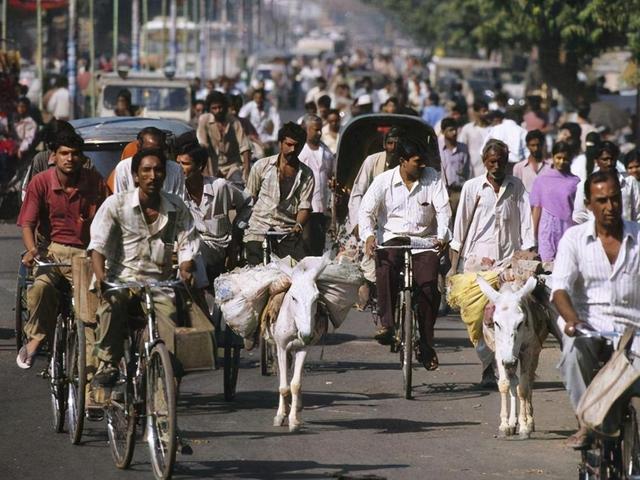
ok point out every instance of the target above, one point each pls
(465, 294)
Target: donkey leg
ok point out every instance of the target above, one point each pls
(284, 390)
(513, 419)
(503, 387)
(524, 394)
(296, 389)
(531, 371)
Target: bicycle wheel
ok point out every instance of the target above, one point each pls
(121, 417)
(21, 313)
(231, 365)
(407, 343)
(631, 441)
(161, 412)
(57, 381)
(76, 364)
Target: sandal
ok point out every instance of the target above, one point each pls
(428, 357)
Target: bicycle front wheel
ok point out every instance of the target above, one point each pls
(631, 441)
(21, 314)
(231, 365)
(161, 412)
(121, 417)
(407, 343)
(57, 381)
(77, 380)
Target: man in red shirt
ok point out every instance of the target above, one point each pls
(60, 203)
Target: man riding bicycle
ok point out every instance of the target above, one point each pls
(133, 235)
(60, 204)
(595, 282)
(409, 200)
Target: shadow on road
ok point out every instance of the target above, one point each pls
(392, 425)
(343, 367)
(288, 470)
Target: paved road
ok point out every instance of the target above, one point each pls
(357, 424)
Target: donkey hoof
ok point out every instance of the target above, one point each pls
(278, 420)
(512, 431)
(524, 435)
(295, 427)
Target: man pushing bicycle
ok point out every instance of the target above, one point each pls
(409, 200)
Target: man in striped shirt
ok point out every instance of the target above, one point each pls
(595, 283)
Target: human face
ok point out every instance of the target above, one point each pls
(218, 111)
(606, 203)
(189, 167)
(562, 162)
(413, 167)
(314, 133)
(289, 148)
(68, 160)
(389, 107)
(259, 99)
(21, 109)
(198, 109)
(564, 135)
(535, 148)
(482, 115)
(334, 122)
(122, 105)
(150, 175)
(390, 145)
(450, 134)
(605, 161)
(633, 169)
(496, 164)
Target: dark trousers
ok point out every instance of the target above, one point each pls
(389, 264)
(314, 234)
(291, 245)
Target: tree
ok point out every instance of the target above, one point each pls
(568, 34)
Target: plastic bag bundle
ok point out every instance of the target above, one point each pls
(243, 293)
(465, 294)
(338, 285)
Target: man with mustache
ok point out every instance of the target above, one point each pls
(282, 189)
(493, 222)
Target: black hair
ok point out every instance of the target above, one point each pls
(324, 101)
(497, 146)
(126, 94)
(479, 105)
(236, 101)
(310, 106)
(333, 111)
(632, 156)
(448, 122)
(198, 155)
(608, 147)
(494, 114)
(309, 118)
(66, 137)
(408, 147)
(434, 98)
(185, 142)
(561, 147)
(294, 132)
(574, 129)
(217, 97)
(533, 134)
(259, 90)
(600, 177)
(153, 132)
(147, 152)
(199, 102)
(394, 132)
(25, 101)
(584, 110)
(393, 100)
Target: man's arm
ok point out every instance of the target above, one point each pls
(441, 205)
(304, 206)
(527, 237)
(564, 305)
(360, 186)
(580, 212)
(368, 215)
(254, 181)
(123, 180)
(188, 243)
(98, 262)
(536, 212)
(565, 274)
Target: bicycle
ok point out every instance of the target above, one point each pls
(146, 388)
(608, 458)
(405, 312)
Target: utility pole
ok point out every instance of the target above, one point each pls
(135, 34)
(204, 40)
(92, 58)
(173, 14)
(185, 32)
(145, 32)
(39, 51)
(71, 57)
(116, 19)
(224, 37)
(163, 12)
(4, 22)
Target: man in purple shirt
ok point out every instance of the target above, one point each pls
(455, 161)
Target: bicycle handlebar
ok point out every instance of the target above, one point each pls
(412, 243)
(143, 284)
(42, 263)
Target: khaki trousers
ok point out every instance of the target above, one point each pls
(43, 297)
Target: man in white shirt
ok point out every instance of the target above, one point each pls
(595, 283)
(263, 116)
(59, 103)
(149, 137)
(473, 134)
(606, 159)
(492, 223)
(409, 200)
(321, 161)
(512, 134)
(331, 131)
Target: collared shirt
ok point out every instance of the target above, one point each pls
(600, 292)
(269, 210)
(135, 249)
(372, 166)
(513, 135)
(630, 191)
(527, 173)
(322, 163)
(173, 183)
(579, 166)
(266, 121)
(211, 216)
(390, 209)
(228, 144)
(26, 129)
(63, 218)
(501, 223)
(473, 136)
(455, 163)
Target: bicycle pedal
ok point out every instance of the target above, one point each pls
(186, 449)
(94, 414)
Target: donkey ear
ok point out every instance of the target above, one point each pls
(487, 289)
(528, 287)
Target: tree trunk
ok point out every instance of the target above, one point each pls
(560, 75)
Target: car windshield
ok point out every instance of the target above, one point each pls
(149, 97)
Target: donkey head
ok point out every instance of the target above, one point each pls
(302, 297)
(509, 318)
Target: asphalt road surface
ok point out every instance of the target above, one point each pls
(357, 425)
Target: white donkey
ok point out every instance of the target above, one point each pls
(295, 329)
(520, 328)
